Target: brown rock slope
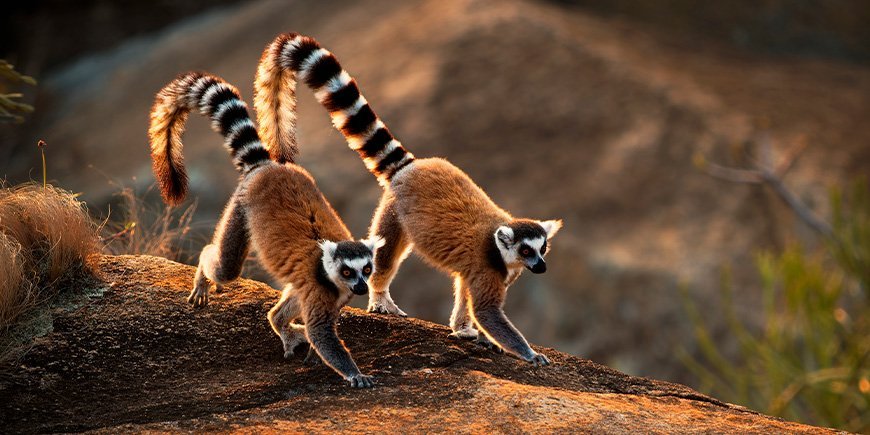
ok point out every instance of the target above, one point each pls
(139, 358)
(555, 112)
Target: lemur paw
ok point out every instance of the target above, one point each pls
(291, 345)
(218, 288)
(539, 360)
(312, 358)
(361, 381)
(384, 305)
(198, 296)
(483, 341)
(466, 333)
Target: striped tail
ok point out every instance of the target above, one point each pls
(214, 98)
(291, 56)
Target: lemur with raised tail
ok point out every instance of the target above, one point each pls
(278, 209)
(428, 204)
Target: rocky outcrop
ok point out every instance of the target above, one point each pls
(134, 356)
(556, 113)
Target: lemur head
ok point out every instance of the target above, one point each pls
(523, 242)
(348, 264)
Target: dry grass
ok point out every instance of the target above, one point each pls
(16, 287)
(45, 235)
(144, 229)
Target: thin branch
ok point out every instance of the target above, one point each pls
(765, 172)
(802, 210)
(733, 175)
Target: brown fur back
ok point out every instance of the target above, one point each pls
(450, 220)
(288, 215)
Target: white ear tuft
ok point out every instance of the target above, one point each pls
(374, 242)
(505, 235)
(328, 247)
(551, 227)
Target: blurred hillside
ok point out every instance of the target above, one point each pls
(553, 110)
(37, 35)
(821, 28)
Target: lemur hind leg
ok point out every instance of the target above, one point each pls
(281, 317)
(388, 257)
(221, 261)
(460, 320)
(487, 298)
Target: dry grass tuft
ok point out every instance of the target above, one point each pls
(45, 235)
(16, 287)
(144, 229)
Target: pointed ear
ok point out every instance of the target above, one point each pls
(374, 242)
(551, 227)
(328, 247)
(505, 235)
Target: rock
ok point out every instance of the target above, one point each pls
(555, 112)
(139, 358)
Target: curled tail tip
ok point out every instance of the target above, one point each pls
(167, 118)
(213, 97)
(172, 180)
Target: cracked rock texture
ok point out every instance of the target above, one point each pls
(139, 358)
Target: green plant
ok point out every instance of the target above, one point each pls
(10, 108)
(810, 360)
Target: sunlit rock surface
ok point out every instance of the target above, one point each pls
(555, 112)
(135, 356)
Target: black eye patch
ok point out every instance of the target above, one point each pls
(347, 273)
(367, 269)
(526, 251)
(544, 248)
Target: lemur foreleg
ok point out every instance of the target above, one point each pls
(321, 331)
(487, 298)
(388, 257)
(221, 261)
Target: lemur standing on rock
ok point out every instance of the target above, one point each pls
(427, 203)
(300, 239)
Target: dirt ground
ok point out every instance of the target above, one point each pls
(555, 112)
(134, 356)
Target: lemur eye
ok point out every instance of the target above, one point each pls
(525, 252)
(345, 273)
(367, 270)
(544, 248)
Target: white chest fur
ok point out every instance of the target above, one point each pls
(512, 274)
(343, 299)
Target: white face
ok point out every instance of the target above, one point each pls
(350, 264)
(526, 251)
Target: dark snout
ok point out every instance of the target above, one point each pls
(360, 288)
(539, 267)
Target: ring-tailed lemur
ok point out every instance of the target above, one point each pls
(427, 203)
(300, 239)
